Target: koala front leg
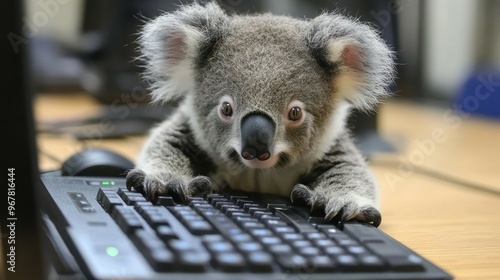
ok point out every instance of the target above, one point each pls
(341, 184)
(171, 163)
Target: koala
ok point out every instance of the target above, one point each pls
(262, 107)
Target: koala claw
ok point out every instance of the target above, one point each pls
(199, 185)
(178, 188)
(337, 207)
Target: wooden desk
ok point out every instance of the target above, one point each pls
(455, 227)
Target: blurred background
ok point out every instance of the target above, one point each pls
(448, 54)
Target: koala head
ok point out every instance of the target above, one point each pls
(263, 90)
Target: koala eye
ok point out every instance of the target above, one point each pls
(226, 109)
(295, 114)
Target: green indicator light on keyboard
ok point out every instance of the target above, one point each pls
(112, 183)
(105, 183)
(112, 251)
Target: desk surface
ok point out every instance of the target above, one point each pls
(455, 227)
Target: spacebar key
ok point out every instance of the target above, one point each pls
(293, 219)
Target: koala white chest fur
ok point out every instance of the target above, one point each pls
(263, 107)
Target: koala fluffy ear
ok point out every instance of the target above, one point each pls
(173, 44)
(359, 62)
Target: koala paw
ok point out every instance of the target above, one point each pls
(167, 184)
(338, 206)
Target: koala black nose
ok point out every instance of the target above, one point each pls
(257, 134)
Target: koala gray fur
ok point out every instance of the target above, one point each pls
(244, 75)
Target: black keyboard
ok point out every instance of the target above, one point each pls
(247, 236)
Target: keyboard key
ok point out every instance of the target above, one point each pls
(108, 199)
(252, 225)
(293, 263)
(265, 218)
(223, 208)
(155, 217)
(260, 232)
(315, 236)
(206, 239)
(294, 220)
(345, 241)
(339, 237)
(226, 227)
(321, 263)
(242, 237)
(334, 250)
(238, 216)
(161, 259)
(355, 250)
(230, 262)
(347, 262)
(252, 207)
(234, 198)
(280, 249)
(180, 246)
(132, 198)
(410, 263)
(192, 199)
(211, 197)
(165, 233)
(154, 250)
(193, 261)
(214, 201)
(219, 204)
(363, 232)
(270, 240)
(220, 246)
(260, 262)
(274, 223)
(308, 251)
(204, 208)
(241, 202)
(120, 191)
(199, 227)
(231, 211)
(142, 203)
(249, 247)
(283, 229)
(327, 229)
(245, 218)
(100, 194)
(259, 214)
(193, 221)
(289, 237)
(323, 242)
(140, 207)
(371, 262)
(146, 240)
(126, 219)
(165, 201)
(301, 243)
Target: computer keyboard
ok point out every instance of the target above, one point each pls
(254, 234)
(101, 230)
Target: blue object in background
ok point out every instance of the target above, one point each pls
(480, 94)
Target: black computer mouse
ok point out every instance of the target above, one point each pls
(96, 162)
